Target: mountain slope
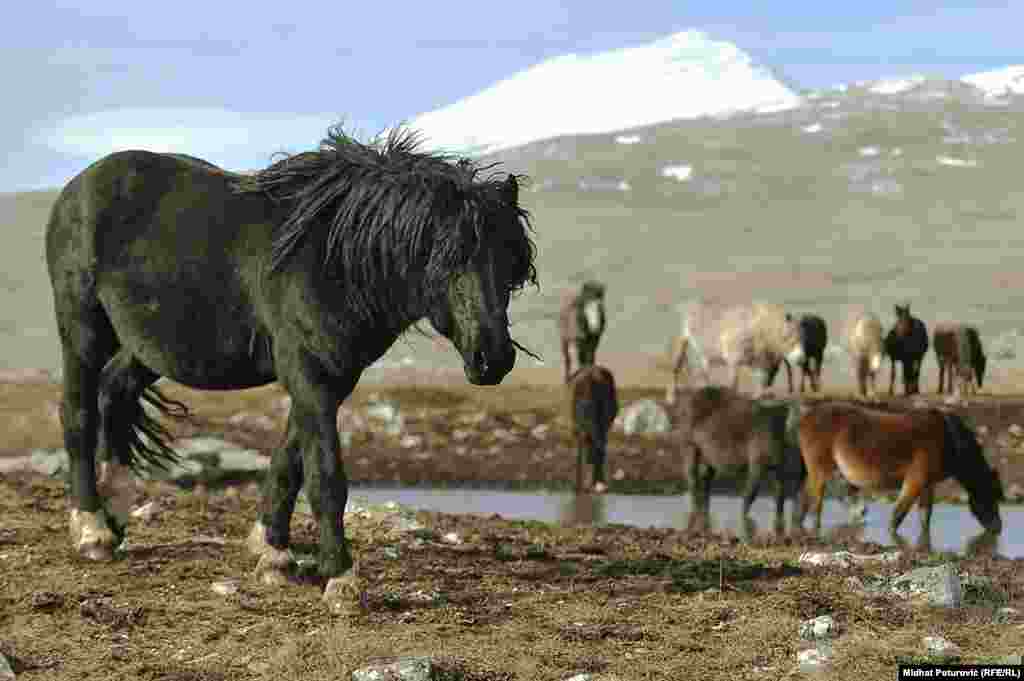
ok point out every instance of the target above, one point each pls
(686, 75)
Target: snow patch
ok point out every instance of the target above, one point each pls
(998, 83)
(679, 172)
(892, 86)
(813, 127)
(956, 162)
(628, 139)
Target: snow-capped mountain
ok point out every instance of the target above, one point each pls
(1000, 82)
(685, 75)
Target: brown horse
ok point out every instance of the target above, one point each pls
(593, 406)
(728, 432)
(909, 450)
(581, 322)
(959, 354)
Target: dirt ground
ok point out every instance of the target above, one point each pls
(515, 600)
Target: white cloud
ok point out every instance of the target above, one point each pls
(219, 135)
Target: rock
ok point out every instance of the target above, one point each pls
(147, 512)
(452, 538)
(1015, 430)
(225, 587)
(941, 585)
(813, 659)
(540, 431)
(819, 627)
(410, 441)
(459, 434)
(6, 672)
(1004, 615)
(52, 462)
(397, 669)
(940, 647)
(243, 460)
(387, 414)
(846, 559)
(619, 475)
(645, 416)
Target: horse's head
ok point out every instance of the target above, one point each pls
(794, 348)
(473, 313)
(979, 369)
(904, 322)
(591, 305)
(984, 502)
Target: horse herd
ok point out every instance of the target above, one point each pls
(305, 273)
(801, 445)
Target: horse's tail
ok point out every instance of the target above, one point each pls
(146, 438)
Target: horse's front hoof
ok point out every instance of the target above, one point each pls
(274, 563)
(345, 595)
(91, 535)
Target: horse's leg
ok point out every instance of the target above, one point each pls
(122, 383)
(696, 487)
(892, 376)
(705, 495)
(315, 405)
(924, 507)
(942, 375)
(913, 487)
(565, 359)
(88, 341)
(271, 533)
(789, 375)
(816, 376)
(755, 474)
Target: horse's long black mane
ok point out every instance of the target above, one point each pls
(386, 213)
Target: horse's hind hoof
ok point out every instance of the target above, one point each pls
(91, 535)
(345, 595)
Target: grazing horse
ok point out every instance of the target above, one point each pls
(726, 432)
(760, 336)
(593, 406)
(304, 273)
(581, 323)
(863, 335)
(959, 353)
(909, 450)
(906, 343)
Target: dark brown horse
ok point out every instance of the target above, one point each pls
(909, 450)
(728, 432)
(593, 406)
(959, 353)
(906, 343)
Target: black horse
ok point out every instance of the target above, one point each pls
(814, 339)
(304, 273)
(906, 343)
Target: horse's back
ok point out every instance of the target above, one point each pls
(872, 447)
(159, 245)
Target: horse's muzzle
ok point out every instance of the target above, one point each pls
(484, 368)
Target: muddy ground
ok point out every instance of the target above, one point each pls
(513, 600)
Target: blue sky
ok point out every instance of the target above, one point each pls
(234, 82)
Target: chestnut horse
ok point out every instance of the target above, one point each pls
(909, 450)
(593, 406)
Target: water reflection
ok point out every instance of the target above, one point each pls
(583, 509)
(951, 525)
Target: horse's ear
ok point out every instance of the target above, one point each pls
(510, 189)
